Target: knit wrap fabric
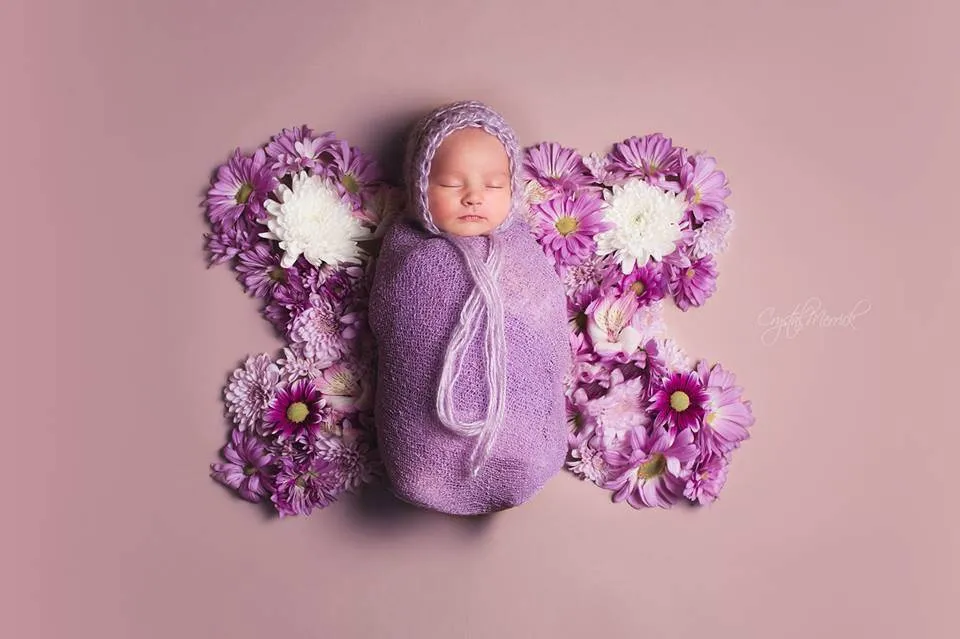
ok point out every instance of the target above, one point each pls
(491, 311)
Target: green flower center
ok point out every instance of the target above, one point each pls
(277, 274)
(297, 412)
(567, 225)
(578, 421)
(679, 401)
(638, 288)
(249, 470)
(244, 193)
(580, 321)
(351, 184)
(652, 468)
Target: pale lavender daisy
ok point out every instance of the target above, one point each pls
(652, 157)
(247, 469)
(251, 389)
(727, 416)
(558, 169)
(356, 174)
(298, 149)
(566, 227)
(707, 478)
(651, 467)
(704, 187)
(692, 285)
(240, 188)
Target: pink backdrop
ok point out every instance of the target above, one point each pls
(836, 123)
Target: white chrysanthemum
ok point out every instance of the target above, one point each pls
(646, 223)
(312, 220)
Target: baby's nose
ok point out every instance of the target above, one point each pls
(473, 197)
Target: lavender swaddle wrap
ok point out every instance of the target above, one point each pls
(512, 363)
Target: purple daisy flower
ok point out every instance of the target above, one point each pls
(652, 157)
(298, 149)
(647, 283)
(258, 269)
(679, 402)
(727, 417)
(651, 468)
(356, 174)
(305, 485)
(556, 168)
(705, 187)
(241, 186)
(226, 242)
(248, 466)
(251, 389)
(692, 285)
(567, 227)
(297, 411)
(707, 478)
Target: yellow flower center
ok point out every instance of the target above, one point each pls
(277, 274)
(709, 419)
(244, 193)
(638, 288)
(690, 273)
(297, 412)
(696, 196)
(679, 401)
(351, 184)
(652, 468)
(567, 225)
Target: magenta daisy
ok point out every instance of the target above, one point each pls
(558, 169)
(652, 157)
(297, 411)
(679, 403)
(241, 186)
(251, 389)
(693, 284)
(704, 186)
(567, 226)
(727, 417)
(706, 479)
(651, 468)
(647, 283)
(356, 174)
(303, 486)
(297, 149)
(247, 469)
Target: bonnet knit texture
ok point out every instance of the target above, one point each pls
(473, 346)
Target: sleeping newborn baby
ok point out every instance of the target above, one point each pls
(471, 327)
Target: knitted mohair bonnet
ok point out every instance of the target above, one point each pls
(473, 346)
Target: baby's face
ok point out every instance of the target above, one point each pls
(468, 190)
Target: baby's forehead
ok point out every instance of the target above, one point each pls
(470, 145)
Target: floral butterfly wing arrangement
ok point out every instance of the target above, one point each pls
(300, 219)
